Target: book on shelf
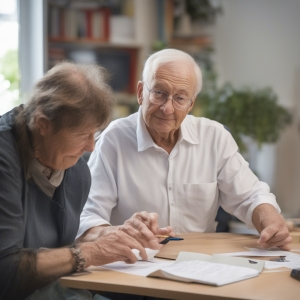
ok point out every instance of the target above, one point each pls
(67, 24)
(165, 18)
(214, 269)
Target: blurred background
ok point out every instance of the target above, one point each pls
(249, 52)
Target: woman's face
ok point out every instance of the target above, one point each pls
(61, 150)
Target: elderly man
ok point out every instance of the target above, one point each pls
(163, 160)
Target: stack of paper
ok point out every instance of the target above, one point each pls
(213, 270)
(195, 267)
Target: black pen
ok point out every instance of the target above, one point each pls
(170, 238)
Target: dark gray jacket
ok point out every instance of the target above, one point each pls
(29, 219)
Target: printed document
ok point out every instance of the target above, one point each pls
(205, 272)
(194, 267)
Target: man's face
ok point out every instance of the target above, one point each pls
(171, 78)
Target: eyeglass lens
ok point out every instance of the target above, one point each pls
(180, 102)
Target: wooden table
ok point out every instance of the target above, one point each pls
(269, 285)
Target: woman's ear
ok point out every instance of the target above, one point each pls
(140, 92)
(43, 125)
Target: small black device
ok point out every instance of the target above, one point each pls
(296, 274)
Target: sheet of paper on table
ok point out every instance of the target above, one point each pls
(141, 267)
(150, 253)
(292, 259)
(257, 252)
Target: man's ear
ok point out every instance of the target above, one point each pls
(43, 125)
(192, 105)
(140, 86)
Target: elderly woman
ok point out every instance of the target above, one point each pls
(45, 183)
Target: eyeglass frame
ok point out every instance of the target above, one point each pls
(151, 91)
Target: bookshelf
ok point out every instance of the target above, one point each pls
(118, 34)
(87, 32)
(177, 30)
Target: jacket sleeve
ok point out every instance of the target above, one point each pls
(18, 277)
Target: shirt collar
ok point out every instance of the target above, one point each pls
(144, 139)
(38, 170)
(187, 132)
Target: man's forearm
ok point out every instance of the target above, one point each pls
(94, 233)
(261, 213)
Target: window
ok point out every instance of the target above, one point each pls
(9, 66)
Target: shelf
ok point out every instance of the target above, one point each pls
(89, 43)
(118, 39)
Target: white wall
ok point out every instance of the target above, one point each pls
(257, 43)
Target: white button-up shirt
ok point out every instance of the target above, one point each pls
(130, 173)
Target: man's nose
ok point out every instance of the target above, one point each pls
(168, 107)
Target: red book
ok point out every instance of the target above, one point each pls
(106, 31)
(62, 23)
(132, 71)
(88, 19)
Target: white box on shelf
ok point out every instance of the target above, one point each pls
(121, 29)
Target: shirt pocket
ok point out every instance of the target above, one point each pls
(200, 205)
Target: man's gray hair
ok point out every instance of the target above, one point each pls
(170, 56)
(70, 95)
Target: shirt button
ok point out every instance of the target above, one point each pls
(172, 203)
(170, 188)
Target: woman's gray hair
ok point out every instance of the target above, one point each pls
(70, 95)
(170, 56)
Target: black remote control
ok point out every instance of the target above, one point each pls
(296, 274)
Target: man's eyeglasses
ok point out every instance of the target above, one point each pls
(180, 102)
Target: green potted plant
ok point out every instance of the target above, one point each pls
(245, 111)
(204, 11)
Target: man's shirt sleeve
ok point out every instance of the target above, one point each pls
(240, 190)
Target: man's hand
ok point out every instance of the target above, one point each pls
(102, 245)
(272, 227)
(143, 226)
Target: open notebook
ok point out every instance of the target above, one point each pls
(210, 269)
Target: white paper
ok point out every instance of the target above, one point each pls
(292, 259)
(275, 250)
(256, 253)
(207, 272)
(257, 265)
(141, 267)
(150, 253)
(259, 252)
(292, 262)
